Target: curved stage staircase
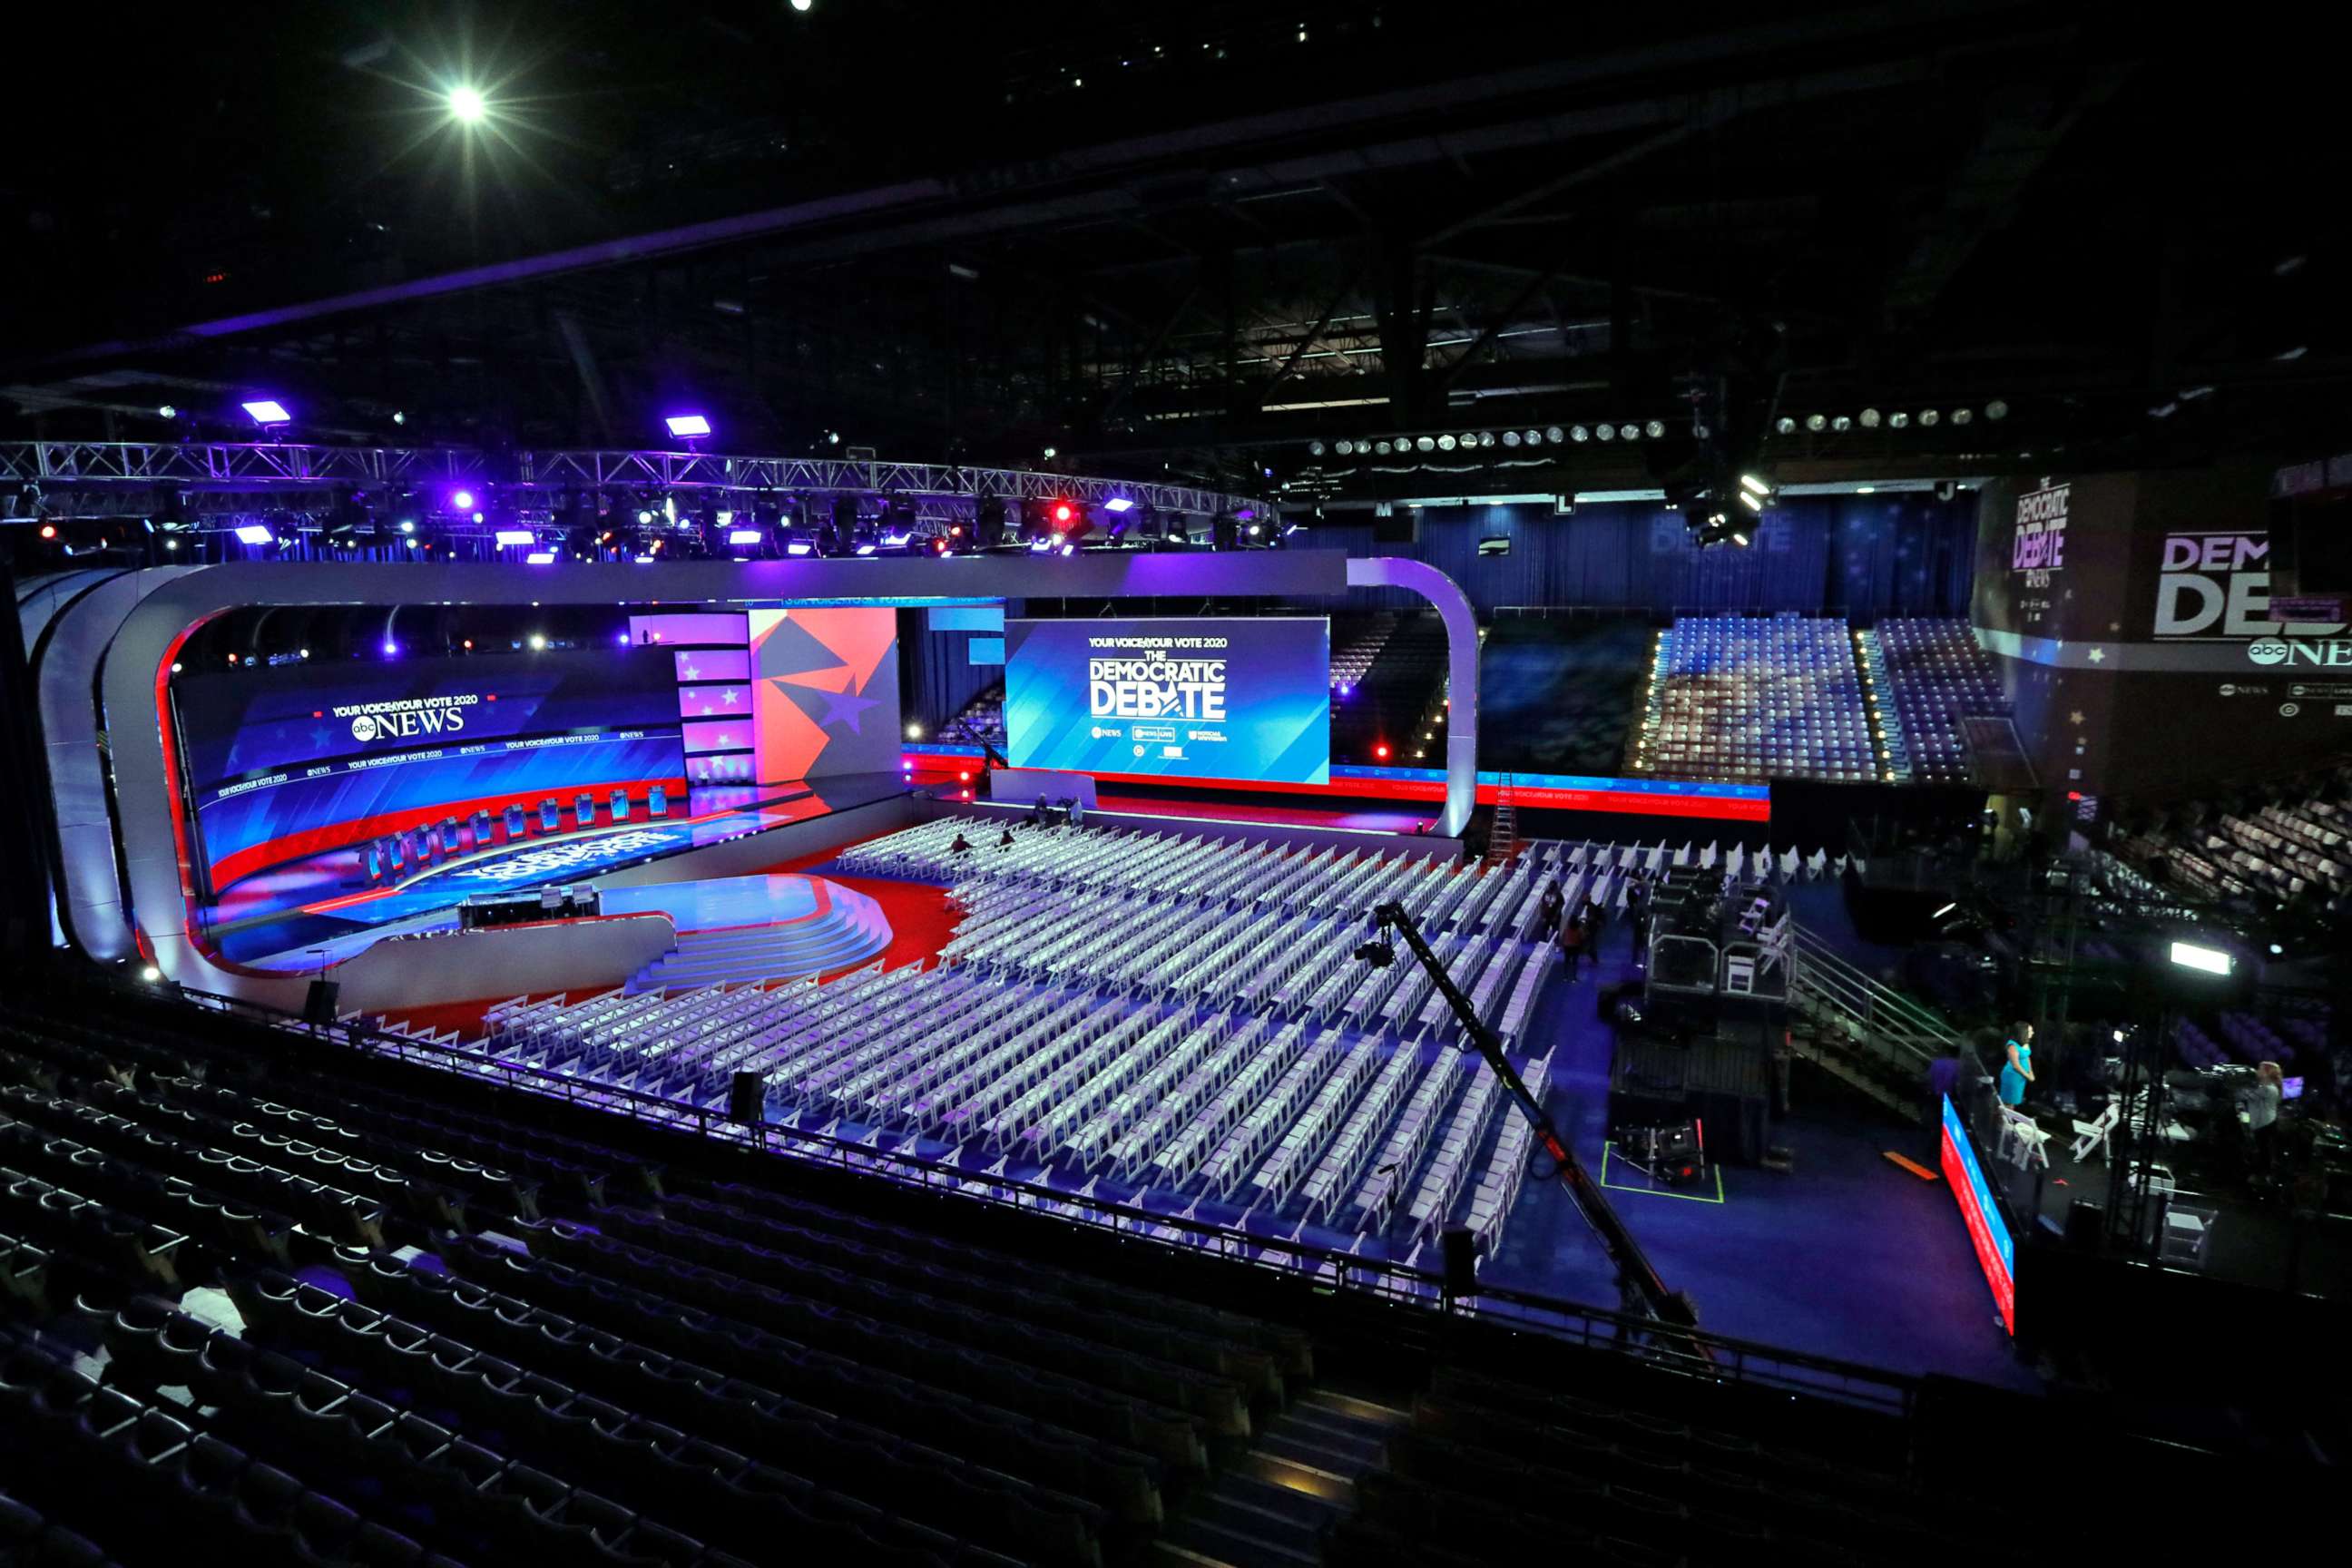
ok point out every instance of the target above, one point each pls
(845, 928)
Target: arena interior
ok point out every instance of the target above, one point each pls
(862, 783)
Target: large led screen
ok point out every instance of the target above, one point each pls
(291, 761)
(1240, 698)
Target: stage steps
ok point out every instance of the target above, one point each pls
(1867, 1034)
(851, 931)
(1272, 1507)
(1886, 737)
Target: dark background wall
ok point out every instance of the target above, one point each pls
(1863, 556)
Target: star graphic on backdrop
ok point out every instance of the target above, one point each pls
(690, 673)
(731, 695)
(841, 708)
(2098, 656)
(321, 736)
(2075, 717)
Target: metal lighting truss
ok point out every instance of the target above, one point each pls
(67, 464)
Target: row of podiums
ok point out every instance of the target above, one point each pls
(403, 854)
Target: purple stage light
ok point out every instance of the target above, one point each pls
(542, 558)
(1247, 514)
(684, 425)
(391, 648)
(798, 547)
(268, 411)
(461, 501)
(866, 550)
(255, 533)
(622, 637)
(515, 538)
(743, 536)
(1118, 503)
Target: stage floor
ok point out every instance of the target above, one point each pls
(289, 918)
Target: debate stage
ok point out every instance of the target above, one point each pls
(320, 909)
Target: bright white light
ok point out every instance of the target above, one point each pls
(514, 537)
(1750, 503)
(1865, 490)
(254, 534)
(2211, 960)
(1049, 453)
(1118, 503)
(914, 732)
(644, 516)
(167, 411)
(798, 547)
(267, 410)
(743, 536)
(151, 974)
(803, 5)
(407, 527)
(540, 558)
(467, 104)
(1750, 482)
(688, 425)
(538, 641)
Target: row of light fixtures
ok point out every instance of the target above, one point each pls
(1872, 419)
(1551, 435)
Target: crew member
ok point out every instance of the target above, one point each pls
(2017, 1071)
(1037, 812)
(1004, 839)
(962, 845)
(1555, 903)
(2263, 1103)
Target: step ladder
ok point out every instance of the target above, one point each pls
(1503, 838)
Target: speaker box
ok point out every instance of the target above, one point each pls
(319, 1004)
(747, 1098)
(2086, 1225)
(1460, 1250)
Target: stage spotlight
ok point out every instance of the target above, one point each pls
(1345, 449)
(1118, 503)
(2209, 959)
(1486, 438)
(1963, 415)
(151, 974)
(250, 532)
(398, 417)
(407, 525)
(1751, 502)
(1929, 416)
(1314, 448)
(1629, 432)
(540, 558)
(1578, 434)
(1424, 444)
(1996, 409)
(512, 538)
(1816, 422)
(1898, 420)
(1381, 751)
(1606, 432)
(1785, 425)
(683, 425)
(1379, 954)
(268, 412)
(743, 536)
(1754, 486)
(914, 732)
(1445, 443)
(1870, 417)
(1062, 513)
(467, 105)
(644, 517)
(538, 641)
(391, 648)
(803, 5)
(1553, 434)
(167, 411)
(1655, 428)
(1510, 438)
(1840, 424)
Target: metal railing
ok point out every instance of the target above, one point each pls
(1732, 1360)
(1881, 1021)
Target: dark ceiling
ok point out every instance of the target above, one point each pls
(1186, 240)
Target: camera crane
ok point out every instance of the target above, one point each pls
(1638, 1284)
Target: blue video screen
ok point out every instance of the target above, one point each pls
(1225, 699)
(289, 762)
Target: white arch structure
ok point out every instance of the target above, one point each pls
(125, 755)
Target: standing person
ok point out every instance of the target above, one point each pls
(2017, 1071)
(1547, 912)
(1637, 911)
(1571, 942)
(2263, 1103)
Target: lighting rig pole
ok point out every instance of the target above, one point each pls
(1638, 1283)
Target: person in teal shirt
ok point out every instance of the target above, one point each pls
(2018, 1070)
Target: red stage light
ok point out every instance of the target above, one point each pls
(49, 531)
(963, 778)
(1061, 511)
(469, 645)
(1380, 752)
